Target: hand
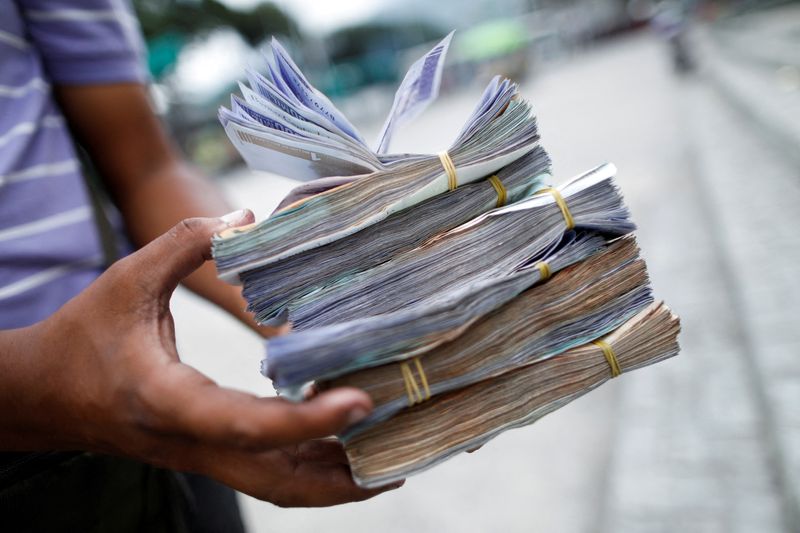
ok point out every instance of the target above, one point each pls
(103, 374)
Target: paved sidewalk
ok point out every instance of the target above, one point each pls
(715, 445)
(754, 62)
(710, 443)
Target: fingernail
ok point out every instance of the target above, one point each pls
(232, 218)
(393, 486)
(357, 414)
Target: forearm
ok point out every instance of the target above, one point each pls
(31, 420)
(168, 195)
(15, 366)
(148, 180)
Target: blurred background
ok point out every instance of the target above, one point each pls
(697, 103)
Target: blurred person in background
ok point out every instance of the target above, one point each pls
(88, 363)
(671, 21)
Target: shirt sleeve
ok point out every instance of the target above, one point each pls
(86, 42)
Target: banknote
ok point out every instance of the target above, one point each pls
(501, 132)
(274, 290)
(425, 435)
(419, 88)
(281, 123)
(463, 291)
(492, 244)
(583, 302)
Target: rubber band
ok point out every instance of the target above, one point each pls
(544, 270)
(500, 189)
(415, 395)
(450, 168)
(611, 357)
(423, 378)
(562, 204)
(412, 390)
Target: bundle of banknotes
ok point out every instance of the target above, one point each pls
(461, 290)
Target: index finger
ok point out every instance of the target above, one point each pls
(185, 402)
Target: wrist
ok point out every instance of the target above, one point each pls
(46, 387)
(24, 395)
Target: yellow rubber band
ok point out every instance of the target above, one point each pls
(562, 204)
(611, 357)
(450, 168)
(415, 395)
(500, 189)
(423, 378)
(544, 270)
(412, 390)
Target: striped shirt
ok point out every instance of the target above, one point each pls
(49, 245)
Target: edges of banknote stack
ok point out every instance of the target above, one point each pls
(462, 291)
(595, 293)
(500, 131)
(421, 436)
(274, 292)
(331, 322)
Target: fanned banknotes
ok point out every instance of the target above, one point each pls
(501, 129)
(283, 124)
(342, 211)
(462, 291)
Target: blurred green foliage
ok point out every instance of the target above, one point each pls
(187, 18)
(367, 53)
(371, 37)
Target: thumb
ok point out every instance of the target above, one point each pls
(183, 249)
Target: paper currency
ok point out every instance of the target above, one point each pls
(274, 290)
(462, 291)
(584, 302)
(500, 133)
(423, 436)
(283, 124)
(507, 238)
(419, 88)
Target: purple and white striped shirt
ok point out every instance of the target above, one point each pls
(49, 246)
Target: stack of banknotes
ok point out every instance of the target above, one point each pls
(461, 290)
